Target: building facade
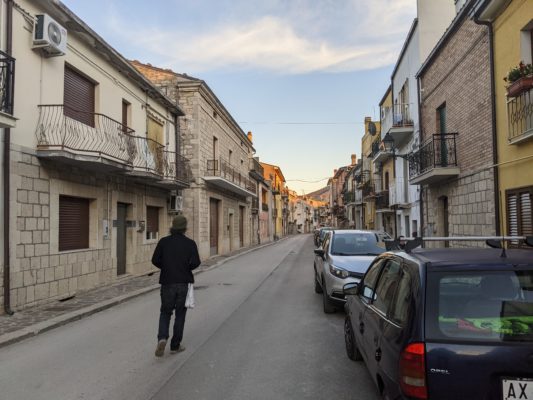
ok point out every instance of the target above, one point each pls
(218, 204)
(94, 161)
(454, 159)
(512, 26)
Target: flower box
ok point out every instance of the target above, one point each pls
(519, 86)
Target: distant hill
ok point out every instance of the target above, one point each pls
(320, 194)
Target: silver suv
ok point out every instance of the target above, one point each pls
(344, 257)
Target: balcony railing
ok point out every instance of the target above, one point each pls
(106, 142)
(256, 169)
(7, 82)
(382, 200)
(438, 152)
(520, 117)
(221, 168)
(398, 121)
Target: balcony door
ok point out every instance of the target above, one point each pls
(78, 97)
(442, 129)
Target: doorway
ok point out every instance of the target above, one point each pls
(241, 226)
(230, 228)
(213, 227)
(122, 212)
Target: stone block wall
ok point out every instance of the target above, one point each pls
(39, 272)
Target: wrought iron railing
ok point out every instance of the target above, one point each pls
(107, 139)
(382, 200)
(520, 115)
(7, 83)
(256, 167)
(223, 169)
(399, 115)
(438, 152)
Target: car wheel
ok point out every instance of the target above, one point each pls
(318, 288)
(349, 340)
(326, 302)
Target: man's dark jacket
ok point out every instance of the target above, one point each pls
(176, 256)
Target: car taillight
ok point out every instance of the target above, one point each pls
(413, 371)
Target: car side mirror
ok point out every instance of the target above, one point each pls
(350, 289)
(319, 252)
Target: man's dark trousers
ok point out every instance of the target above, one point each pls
(172, 298)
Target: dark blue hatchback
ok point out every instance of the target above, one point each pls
(445, 324)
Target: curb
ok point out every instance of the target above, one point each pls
(56, 322)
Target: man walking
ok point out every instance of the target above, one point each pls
(176, 256)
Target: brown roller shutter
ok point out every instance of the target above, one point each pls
(152, 219)
(78, 97)
(73, 223)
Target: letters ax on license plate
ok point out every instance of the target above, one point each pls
(517, 389)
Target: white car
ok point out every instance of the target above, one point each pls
(344, 257)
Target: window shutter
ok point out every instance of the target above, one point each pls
(78, 97)
(152, 219)
(526, 214)
(73, 223)
(512, 214)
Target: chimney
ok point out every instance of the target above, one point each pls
(354, 159)
(250, 136)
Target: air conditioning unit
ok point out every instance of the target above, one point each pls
(49, 37)
(176, 204)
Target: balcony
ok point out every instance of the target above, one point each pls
(363, 179)
(7, 86)
(382, 201)
(221, 174)
(520, 117)
(107, 146)
(256, 170)
(379, 154)
(398, 122)
(399, 193)
(348, 197)
(436, 160)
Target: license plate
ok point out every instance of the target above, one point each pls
(517, 389)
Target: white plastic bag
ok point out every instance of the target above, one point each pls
(189, 301)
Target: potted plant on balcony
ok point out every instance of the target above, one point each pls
(520, 79)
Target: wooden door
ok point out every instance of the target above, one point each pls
(213, 226)
(241, 226)
(121, 238)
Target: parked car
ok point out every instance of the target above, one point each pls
(343, 257)
(319, 237)
(445, 324)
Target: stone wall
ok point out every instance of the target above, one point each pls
(39, 272)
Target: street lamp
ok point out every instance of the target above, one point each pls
(388, 145)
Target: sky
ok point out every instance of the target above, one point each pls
(301, 75)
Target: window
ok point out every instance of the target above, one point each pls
(152, 222)
(386, 287)
(369, 281)
(400, 308)
(519, 211)
(230, 153)
(73, 223)
(125, 115)
(78, 97)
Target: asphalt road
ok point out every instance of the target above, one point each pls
(257, 332)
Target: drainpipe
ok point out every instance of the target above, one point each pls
(421, 191)
(7, 192)
(497, 220)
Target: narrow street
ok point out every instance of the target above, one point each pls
(257, 332)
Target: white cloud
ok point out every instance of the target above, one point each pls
(370, 37)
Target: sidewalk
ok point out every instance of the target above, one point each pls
(34, 320)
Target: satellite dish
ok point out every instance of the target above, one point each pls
(372, 128)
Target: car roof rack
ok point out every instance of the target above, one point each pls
(408, 244)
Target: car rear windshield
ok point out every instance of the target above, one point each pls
(356, 244)
(488, 306)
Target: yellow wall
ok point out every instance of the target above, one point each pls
(388, 166)
(507, 54)
(366, 149)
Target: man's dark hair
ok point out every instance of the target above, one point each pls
(174, 231)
